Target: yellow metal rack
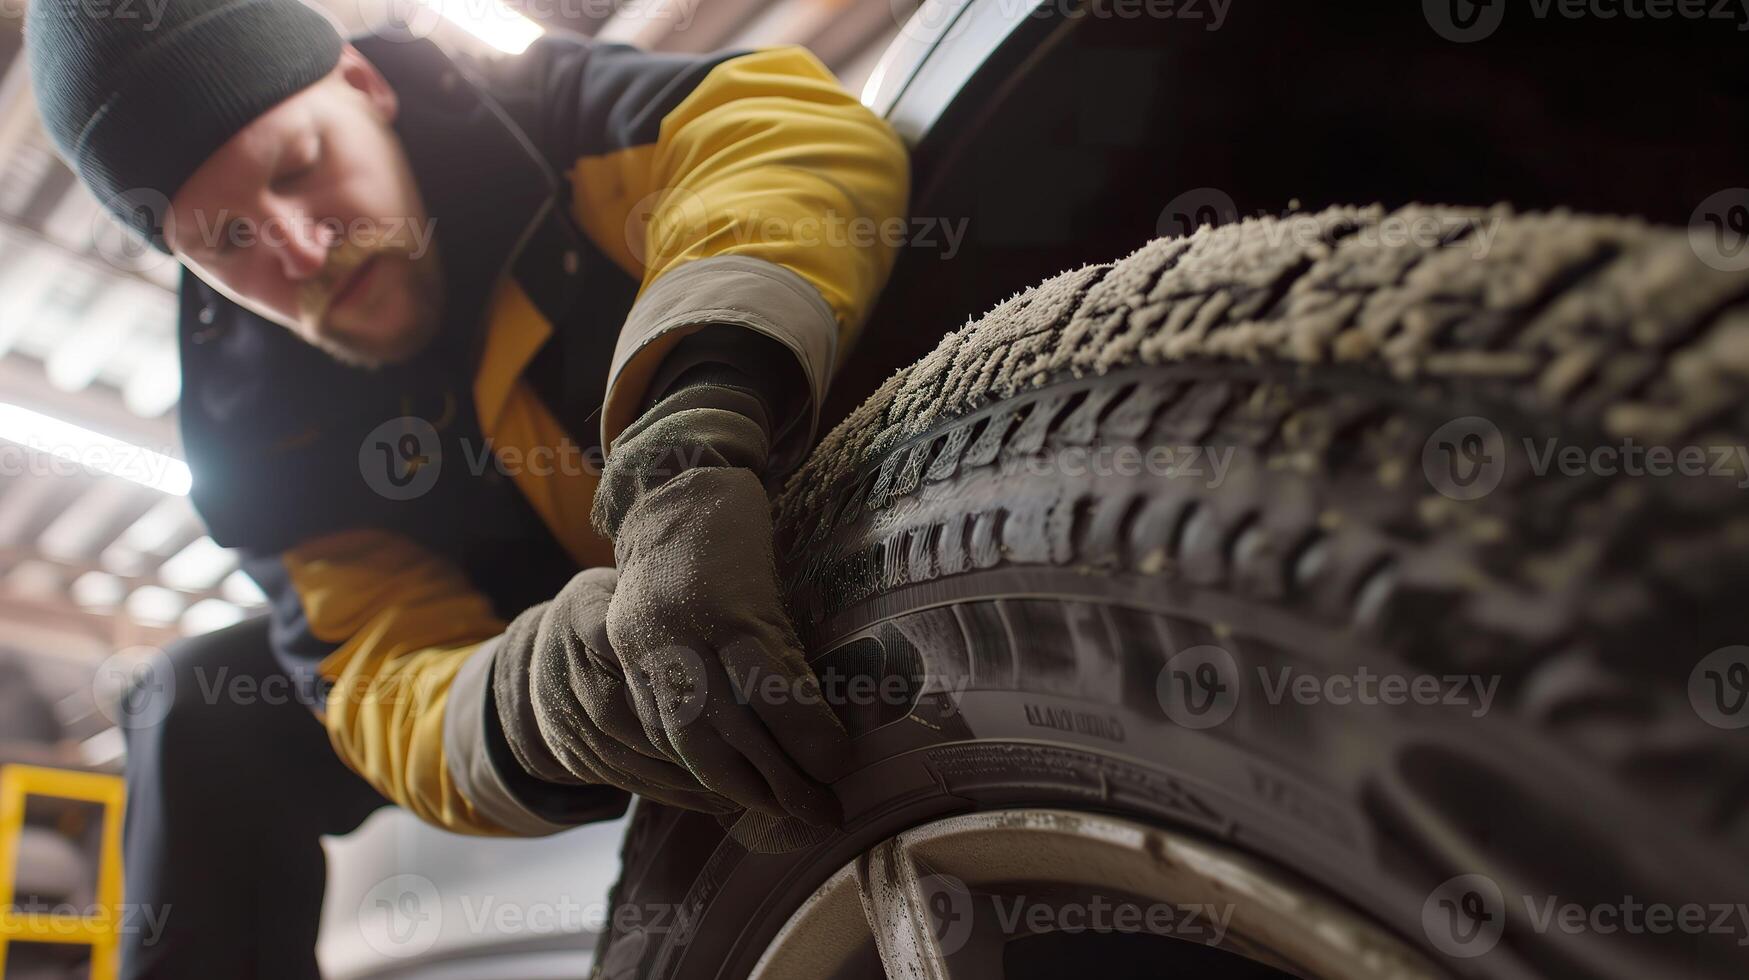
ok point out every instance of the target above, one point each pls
(101, 928)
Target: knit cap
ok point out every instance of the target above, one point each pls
(137, 95)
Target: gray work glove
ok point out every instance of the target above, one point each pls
(564, 704)
(720, 681)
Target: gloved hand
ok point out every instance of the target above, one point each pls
(720, 681)
(564, 705)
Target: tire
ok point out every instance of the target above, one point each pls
(1177, 645)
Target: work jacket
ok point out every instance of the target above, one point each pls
(592, 204)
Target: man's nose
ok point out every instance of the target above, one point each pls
(303, 245)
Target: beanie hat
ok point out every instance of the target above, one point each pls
(137, 96)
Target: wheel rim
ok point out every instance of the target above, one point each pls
(952, 899)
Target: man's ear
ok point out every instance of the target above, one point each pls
(356, 71)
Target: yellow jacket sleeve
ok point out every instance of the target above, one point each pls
(403, 644)
(759, 195)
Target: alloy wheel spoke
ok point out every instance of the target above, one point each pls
(926, 926)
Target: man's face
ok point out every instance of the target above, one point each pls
(310, 217)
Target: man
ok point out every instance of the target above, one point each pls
(419, 295)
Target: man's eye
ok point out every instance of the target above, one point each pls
(302, 169)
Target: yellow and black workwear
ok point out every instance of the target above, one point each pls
(594, 205)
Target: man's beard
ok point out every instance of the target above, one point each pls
(424, 295)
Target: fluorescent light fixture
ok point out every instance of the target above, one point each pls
(158, 530)
(154, 605)
(155, 384)
(119, 559)
(104, 748)
(199, 566)
(93, 450)
(487, 20)
(98, 590)
(239, 588)
(80, 530)
(96, 337)
(36, 579)
(208, 615)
